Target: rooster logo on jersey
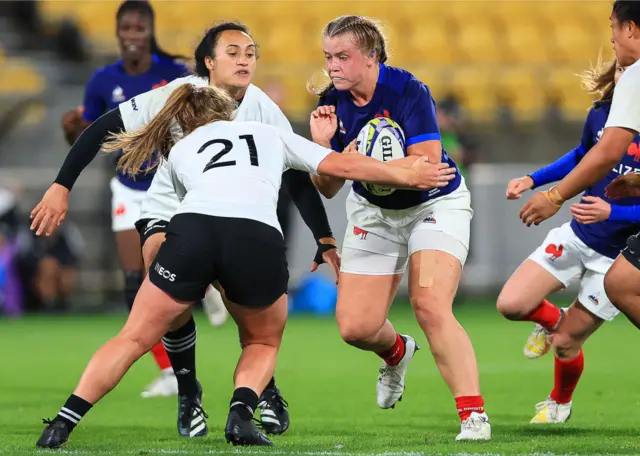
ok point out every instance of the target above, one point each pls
(385, 113)
(118, 95)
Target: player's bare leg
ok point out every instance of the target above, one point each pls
(151, 317)
(361, 311)
(523, 299)
(433, 282)
(166, 384)
(577, 325)
(622, 285)
(260, 331)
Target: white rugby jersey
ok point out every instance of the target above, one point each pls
(234, 169)
(625, 107)
(161, 201)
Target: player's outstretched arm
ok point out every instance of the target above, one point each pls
(414, 172)
(52, 209)
(597, 163)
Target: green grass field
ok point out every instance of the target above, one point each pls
(331, 391)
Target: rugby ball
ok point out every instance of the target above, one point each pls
(382, 139)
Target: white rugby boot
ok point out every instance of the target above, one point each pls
(391, 379)
(550, 411)
(476, 427)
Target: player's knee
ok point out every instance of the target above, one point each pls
(356, 332)
(565, 346)
(137, 344)
(132, 283)
(433, 312)
(510, 306)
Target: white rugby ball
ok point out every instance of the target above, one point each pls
(382, 139)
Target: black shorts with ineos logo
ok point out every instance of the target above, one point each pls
(247, 257)
(632, 252)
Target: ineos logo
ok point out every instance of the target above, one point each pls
(164, 273)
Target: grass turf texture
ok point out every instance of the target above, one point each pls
(330, 388)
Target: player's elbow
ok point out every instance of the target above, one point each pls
(327, 186)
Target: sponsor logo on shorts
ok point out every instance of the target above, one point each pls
(360, 232)
(555, 251)
(429, 219)
(595, 298)
(164, 273)
(134, 106)
(120, 210)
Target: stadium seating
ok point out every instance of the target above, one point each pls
(19, 77)
(471, 48)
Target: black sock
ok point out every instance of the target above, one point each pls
(132, 282)
(271, 384)
(244, 402)
(73, 411)
(181, 348)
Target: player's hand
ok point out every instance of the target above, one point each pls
(51, 210)
(327, 253)
(352, 148)
(323, 123)
(539, 208)
(595, 210)
(624, 187)
(72, 119)
(518, 186)
(430, 175)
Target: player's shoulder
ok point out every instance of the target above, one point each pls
(599, 108)
(189, 79)
(330, 97)
(632, 70)
(171, 65)
(255, 95)
(630, 79)
(106, 72)
(400, 81)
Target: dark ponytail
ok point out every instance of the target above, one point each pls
(143, 7)
(207, 45)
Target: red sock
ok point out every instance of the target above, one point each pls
(161, 357)
(393, 356)
(546, 314)
(468, 404)
(566, 377)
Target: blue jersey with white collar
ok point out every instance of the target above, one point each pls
(608, 237)
(402, 97)
(111, 85)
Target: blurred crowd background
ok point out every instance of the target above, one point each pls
(503, 74)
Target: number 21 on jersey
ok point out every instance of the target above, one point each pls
(227, 146)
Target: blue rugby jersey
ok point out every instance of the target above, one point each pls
(608, 237)
(401, 97)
